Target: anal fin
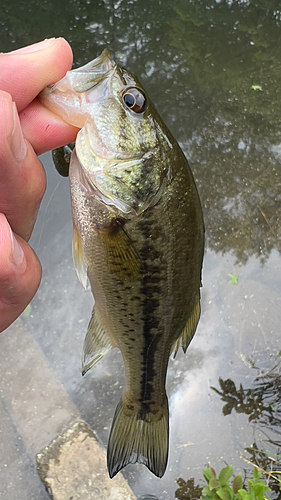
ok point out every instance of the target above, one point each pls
(96, 344)
(189, 330)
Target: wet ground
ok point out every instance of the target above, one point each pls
(214, 77)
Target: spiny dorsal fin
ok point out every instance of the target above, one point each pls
(189, 330)
(121, 255)
(96, 344)
(79, 257)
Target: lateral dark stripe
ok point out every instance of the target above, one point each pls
(151, 292)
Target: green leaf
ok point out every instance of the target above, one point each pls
(237, 483)
(259, 489)
(233, 279)
(27, 311)
(256, 87)
(226, 473)
(208, 495)
(213, 483)
(245, 495)
(206, 490)
(212, 471)
(225, 493)
(208, 474)
(256, 473)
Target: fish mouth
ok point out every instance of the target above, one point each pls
(66, 97)
(75, 96)
(85, 77)
(92, 73)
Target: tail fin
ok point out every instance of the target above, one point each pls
(138, 435)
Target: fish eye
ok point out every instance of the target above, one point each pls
(134, 99)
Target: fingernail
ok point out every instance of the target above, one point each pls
(17, 254)
(35, 47)
(18, 143)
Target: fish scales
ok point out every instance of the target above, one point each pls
(138, 236)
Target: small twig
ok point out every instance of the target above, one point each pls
(262, 470)
(269, 372)
(184, 445)
(267, 221)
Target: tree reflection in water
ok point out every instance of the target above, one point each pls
(188, 490)
(262, 404)
(215, 79)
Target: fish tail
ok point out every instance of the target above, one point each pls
(139, 435)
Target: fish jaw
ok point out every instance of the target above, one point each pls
(74, 96)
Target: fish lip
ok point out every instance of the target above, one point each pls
(104, 58)
(100, 68)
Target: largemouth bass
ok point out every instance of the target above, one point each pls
(138, 236)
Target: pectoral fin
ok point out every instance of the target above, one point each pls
(96, 344)
(79, 257)
(121, 255)
(61, 158)
(189, 330)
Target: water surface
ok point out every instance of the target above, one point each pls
(212, 68)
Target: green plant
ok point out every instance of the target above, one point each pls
(220, 489)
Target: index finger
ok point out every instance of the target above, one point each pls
(25, 72)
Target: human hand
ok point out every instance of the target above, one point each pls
(26, 129)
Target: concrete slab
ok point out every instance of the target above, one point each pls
(38, 405)
(73, 467)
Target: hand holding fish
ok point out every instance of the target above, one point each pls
(26, 129)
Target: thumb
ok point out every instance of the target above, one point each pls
(20, 274)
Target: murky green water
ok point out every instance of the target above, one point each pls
(212, 68)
